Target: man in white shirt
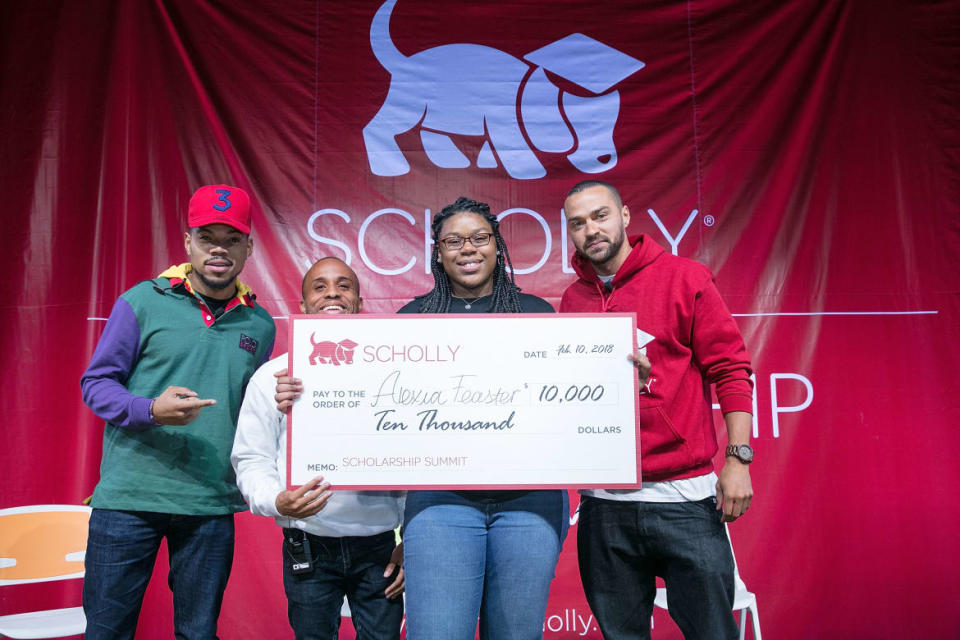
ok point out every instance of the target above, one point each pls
(335, 544)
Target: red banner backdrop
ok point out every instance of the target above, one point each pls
(805, 151)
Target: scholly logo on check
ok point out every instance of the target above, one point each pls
(336, 353)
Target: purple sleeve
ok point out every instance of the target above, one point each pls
(102, 385)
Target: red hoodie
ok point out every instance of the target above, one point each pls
(693, 342)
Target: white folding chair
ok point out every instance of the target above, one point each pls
(42, 543)
(743, 601)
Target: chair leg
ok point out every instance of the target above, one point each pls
(743, 624)
(755, 617)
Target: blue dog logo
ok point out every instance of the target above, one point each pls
(473, 90)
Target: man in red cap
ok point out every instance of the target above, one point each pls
(167, 376)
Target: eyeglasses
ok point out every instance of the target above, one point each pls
(453, 243)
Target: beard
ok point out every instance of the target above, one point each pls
(217, 285)
(613, 248)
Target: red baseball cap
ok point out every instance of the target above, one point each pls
(220, 204)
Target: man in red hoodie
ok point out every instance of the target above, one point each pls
(673, 525)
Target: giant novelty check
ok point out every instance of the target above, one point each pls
(464, 401)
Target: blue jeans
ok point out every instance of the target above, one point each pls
(350, 566)
(121, 551)
(622, 546)
(495, 560)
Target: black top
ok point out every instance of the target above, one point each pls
(529, 304)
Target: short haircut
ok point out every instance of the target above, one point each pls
(303, 281)
(589, 184)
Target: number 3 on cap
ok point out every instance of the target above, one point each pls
(226, 204)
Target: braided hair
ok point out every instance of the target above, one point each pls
(506, 297)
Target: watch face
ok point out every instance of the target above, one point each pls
(745, 453)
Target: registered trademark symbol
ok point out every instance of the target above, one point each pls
(709, 220)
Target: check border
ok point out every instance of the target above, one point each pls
(294, 318)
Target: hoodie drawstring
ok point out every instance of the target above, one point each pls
(603, 300)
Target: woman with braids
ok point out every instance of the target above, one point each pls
(469, 266)
(490, 554)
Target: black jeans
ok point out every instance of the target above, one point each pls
(623, 546)
(350, 566)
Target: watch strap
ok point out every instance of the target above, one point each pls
(734, 450)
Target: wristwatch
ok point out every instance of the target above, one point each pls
(742, 452)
